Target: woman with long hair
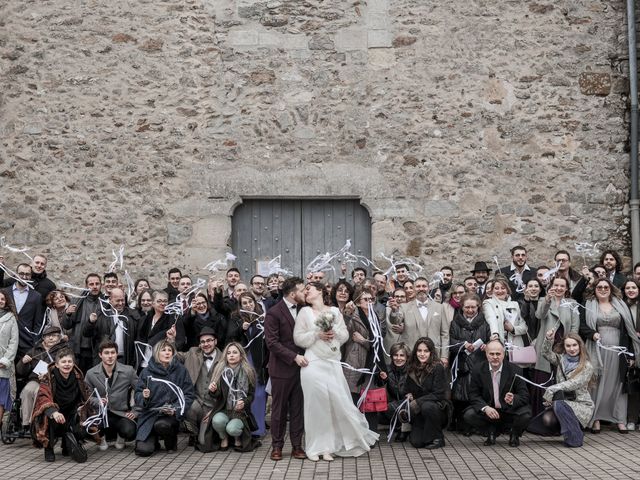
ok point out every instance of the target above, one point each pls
(233, 385)
(333, 424)
(426, 386)
(503, 314)
(570, 405)
(8, 350)
(557, 312)
(606, 321)
(631, 296)
(246, 326)
(395, 379)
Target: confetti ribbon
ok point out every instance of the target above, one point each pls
(101, 417)
(118, 258)
(6, 246)
(10, 273)
(620, 350)
(547, 275)
(175, 389)
(539, 385)
(220, 265)
(396, 414)
(112, 313)
(229, 377)
(67, 286)
(274, 267)
(143, 350)
(414, 268)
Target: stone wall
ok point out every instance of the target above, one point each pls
(465, 127)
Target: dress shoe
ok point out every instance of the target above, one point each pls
(491, 439)
(298, 453)
(327, 457)
(49, 456)
(514, 440)
(276, 454)
(313, 458)
(437, 443)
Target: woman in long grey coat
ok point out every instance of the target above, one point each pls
(557, 312)
(571, 406)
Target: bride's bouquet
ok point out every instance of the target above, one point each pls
(325, 322)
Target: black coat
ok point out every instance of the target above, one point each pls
(257, 347)
(193, 324)
(30, 320)
(153, 335)
(104, 329)
(481, 388)
(463, 331)
(526, 276)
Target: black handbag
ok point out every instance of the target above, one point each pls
(562, 395)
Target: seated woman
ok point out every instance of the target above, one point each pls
(396, 380)
(31, 367)
(426, 391)
(571, 405)
(164, 393)
(233, 388)
(55, 414)
(245, 327)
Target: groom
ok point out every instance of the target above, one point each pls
(285, 361)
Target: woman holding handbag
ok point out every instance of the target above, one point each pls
(426, 385)
(557, 312)
(570, 405)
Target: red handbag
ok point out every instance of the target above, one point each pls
(375, 401)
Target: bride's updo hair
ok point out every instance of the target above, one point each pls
(326, 298)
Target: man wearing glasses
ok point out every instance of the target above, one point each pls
(200, 362)
(28, 304)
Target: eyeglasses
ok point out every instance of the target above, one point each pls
(603, 287)
(200, 304)
(24, 274)
(163, 300)
(258, 283)
(367, 299)
(208, 340)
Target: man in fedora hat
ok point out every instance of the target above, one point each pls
(200, 362)
(481, 273)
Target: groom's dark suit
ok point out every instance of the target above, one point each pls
(284, 372)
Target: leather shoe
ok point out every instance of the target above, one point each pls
(437, 443)
(514, 441)
(491, 439)
(298, 453)
(276, 454)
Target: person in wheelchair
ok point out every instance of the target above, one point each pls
(62, 402)
(33, 367)
(8, 350)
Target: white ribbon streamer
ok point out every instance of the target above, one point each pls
(118, 258)
(10, 273)
(6, 246)
(175, 389)
(220, 265)
(101, 417)
(541, 385)
(396, 414)
(229, 377)
(619, 349)
(143, 350)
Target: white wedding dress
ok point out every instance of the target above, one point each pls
(332, 423)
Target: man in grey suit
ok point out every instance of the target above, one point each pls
(114, 382)
(420, 318)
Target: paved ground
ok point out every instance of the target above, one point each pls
(608, 455)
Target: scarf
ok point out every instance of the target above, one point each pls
(454, 303)
(3, 312)
(239, 387)
(66, 391)
(569, 363)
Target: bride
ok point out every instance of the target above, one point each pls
(333, 424)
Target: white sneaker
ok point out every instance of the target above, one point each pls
(631, 426)
(103, 444)
(120, 443)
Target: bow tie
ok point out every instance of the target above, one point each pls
(208, 357)
(420, 304)
(293, 307)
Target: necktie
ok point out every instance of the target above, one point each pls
(496, 389)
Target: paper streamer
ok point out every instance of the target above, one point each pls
(552, 272)
(620, 350)
(396, 414)
(143, 350)
(220, 265)
(6, 246)
(118, 258)
(229, 377)
(99, 418)
(175, 389)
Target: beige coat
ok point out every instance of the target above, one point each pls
(436, 326)
(497, 311)
(551, 316)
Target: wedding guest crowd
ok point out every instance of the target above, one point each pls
(547, 350)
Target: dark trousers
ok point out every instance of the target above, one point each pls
(165, 428)
(427, 425)
(119, 426)
(286, 396)
(516, 421)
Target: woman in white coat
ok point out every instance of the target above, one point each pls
(503, 315)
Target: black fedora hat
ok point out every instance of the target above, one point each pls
(480, 267)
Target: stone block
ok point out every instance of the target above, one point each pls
(321, 42)
(381, 58)
(592, 83)
(270, 39)
(214, 230)
(377, 21)
(351, 39)
(295, 42)
(178, 233)
(440, 208)
(243, 38)
(379, 39)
